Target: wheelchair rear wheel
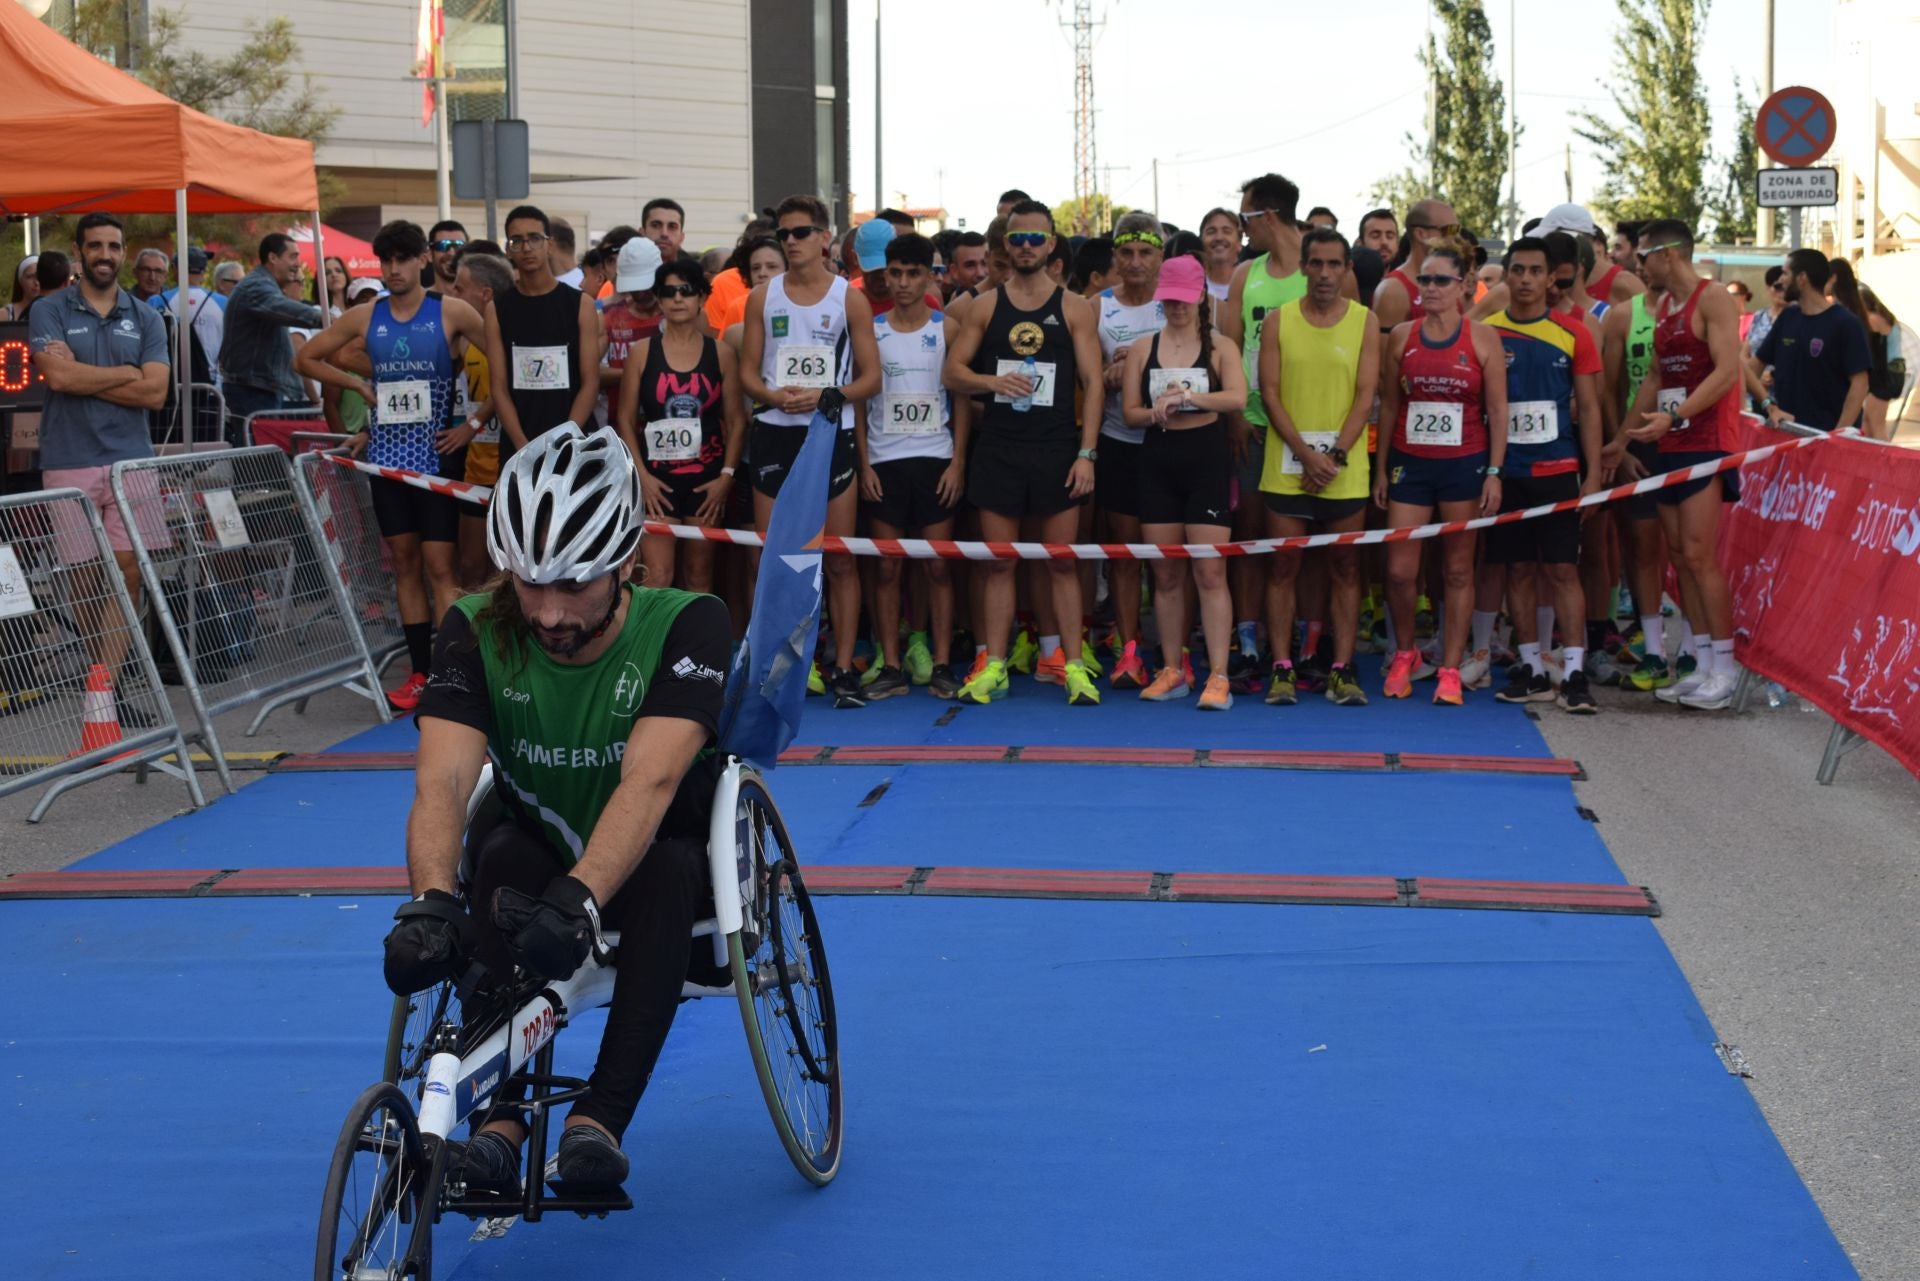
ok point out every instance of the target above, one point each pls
(376, 1219)
(786, 996)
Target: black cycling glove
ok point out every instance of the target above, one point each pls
(553, 934)
(426, 947)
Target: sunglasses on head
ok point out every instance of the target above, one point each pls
(1138, 237)
(1029, 239)
(784, 234)
(675, 291)
(1445, 229)
(445, 244)
(1644, 254)
(1435, 282)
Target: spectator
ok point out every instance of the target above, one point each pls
(200, 309)
(1776, 303)
(713, 261)
(256, 357)
(52, 273)
(149, 275)
(446, 241)
(298, 335)
(104, 358)
(1743, 298)
(730, 287)
(1818, 352)
(26, 287)
(596, 267)
(226, 278)
(664, 222)
(1883, 385)
(336, 287)
(560, 250)
(1321, 216)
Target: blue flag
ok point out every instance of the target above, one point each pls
(768, 683)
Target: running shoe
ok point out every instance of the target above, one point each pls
(845, 684)
(1399, 682)
(1283, 689)
(1218, 695)
(1576, 697)
(405, 696)
(1429, 659)
(1026, 652)
(1446, 690)
(1312, 672)
(989, 683)
(1251, 669)
(1605, 669)
(1713, 694)
(590, 1159)
(488, 1162)
(943, 683)
(1186, 665)
(918, 659)
(888, 683)
(1650, 674)
(1681, 687)
(868, 674)
(1477, 671)
(1169, 684)
(1130, 672)
(1087, 657)
(816, 683)
(1343, 688)
(979, 664)
(1524, 685)
(1052, 668)
(1081, 691)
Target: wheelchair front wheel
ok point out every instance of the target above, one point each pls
(376, 1218)
(408, 1027)
(786, 997)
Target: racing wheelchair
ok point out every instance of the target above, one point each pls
(390, 1179)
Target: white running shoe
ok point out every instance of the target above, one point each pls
(1477, 671)
(1681, 688)
(1712, 694)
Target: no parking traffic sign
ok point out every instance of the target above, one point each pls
(1795, 126)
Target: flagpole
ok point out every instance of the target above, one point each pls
(442, 177)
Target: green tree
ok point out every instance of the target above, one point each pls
(1733, 207)
(1654, 145)
(1101, 214)
(1469, 158)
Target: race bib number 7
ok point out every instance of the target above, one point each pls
(541, 369)
(1042, 381)
(803, 365)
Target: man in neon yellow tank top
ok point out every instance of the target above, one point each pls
(1626, 348)
(597, 702)
(1319, 363)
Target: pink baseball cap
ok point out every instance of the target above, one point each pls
(1182, 279)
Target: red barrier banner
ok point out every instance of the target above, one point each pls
(1823, 556)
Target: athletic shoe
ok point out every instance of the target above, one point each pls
(1576, 697)
(1605, 669)
(845, 684)
(1051, 669)
(1218, 695)
(1343, 689)
(1282, 691)
(988, 683)
(590, 1159)
(943, 683)
(1681, 687)
(1447, 691)
(1130, 672)
(918, 659)
(1186, 666)
(1399, 683)
(1081, 691)
(405, 696)
(1650, 674)
(1477, 671)
(1251, 671)
(1524, 685)
(890, 681)
(1685, 666)
(131, 717)
(1087, 659)
(1026, 652)
(868, 674)
(979, 664)
(488, 1162)
(816, 683)
(1169, 684)
(1429, 663)
(1713, 694)
(1311, 673)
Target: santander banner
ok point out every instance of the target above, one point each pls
(1823, 555)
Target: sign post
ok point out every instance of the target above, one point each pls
(491, 162)
(1795, 127)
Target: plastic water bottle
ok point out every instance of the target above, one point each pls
(1777, 696)
(1030, 372)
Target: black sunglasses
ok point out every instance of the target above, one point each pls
(785, 234)
(675, 291)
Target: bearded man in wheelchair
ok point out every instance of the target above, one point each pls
(597, 702)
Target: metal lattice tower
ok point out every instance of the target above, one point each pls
(1085, 158)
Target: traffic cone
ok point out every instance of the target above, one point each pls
(99, 721)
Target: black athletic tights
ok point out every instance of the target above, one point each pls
(655, 912)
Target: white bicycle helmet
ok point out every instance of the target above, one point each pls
(565, 508)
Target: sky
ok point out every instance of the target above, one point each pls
(1187, 84)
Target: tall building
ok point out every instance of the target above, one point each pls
(1876, 103)
(722, 105)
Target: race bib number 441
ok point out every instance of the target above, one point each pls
(407, 403)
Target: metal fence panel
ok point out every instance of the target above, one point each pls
(80, 696)
(249, 601)
(342, 502)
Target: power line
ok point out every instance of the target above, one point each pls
(1311, 133)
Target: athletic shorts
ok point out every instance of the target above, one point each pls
(1116, 477)
(1312, 508)
(73, 532)
(1544, 540)
(402, 509)
(1642, 506)
(909, 493)
(1011, 477)
(1728, 480)
(1184, 477)
(684, 496)
(774, 446)
(1428, 482)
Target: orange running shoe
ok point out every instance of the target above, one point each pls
(1169, 684)
(1052, 669)
(1130, 672)
(1400, 673)
(1449, 689)
(406, 696)
(1218, 695)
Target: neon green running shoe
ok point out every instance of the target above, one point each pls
(1649, 674)
(989, 684)
(918, 659)
(1081, 691)
(1026, 652)
(816, 684)
(1087, 659)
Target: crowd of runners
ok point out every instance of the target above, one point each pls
(1260, 376)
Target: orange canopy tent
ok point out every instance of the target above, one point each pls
(81, 135)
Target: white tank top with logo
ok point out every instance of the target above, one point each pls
(908, 419)
(1122, 326)
(806, 346)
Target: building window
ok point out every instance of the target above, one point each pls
(477, 61)
(823, 149)
(823, 42)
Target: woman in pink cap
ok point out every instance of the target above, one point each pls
(1178, 387)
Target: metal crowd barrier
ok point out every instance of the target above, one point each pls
(251, 606)
(80, 697)
(342, 504)
(276, 426)
(209, 416)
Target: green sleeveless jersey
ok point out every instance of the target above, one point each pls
(559, 731)
(1259, 295)
(1639, 349)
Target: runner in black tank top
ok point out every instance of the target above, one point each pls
(536, 336)
(1012, 337)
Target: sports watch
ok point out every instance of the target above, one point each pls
(1091, 455)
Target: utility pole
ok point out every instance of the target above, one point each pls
(1156, 187)
(1433, 107)
(1766, 229)
(1085, 160)
(1569, 172)
(1513, 127)
(879, 192)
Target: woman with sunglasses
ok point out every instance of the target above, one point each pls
(681, 415)
(1444, 389)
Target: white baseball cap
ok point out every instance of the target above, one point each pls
(360, 286)
(1569, 218)
(639, 263)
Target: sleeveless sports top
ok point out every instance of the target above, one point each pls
(682, 429)
(1012, 336)
(1199, 380)
(909, 418)
(1263, 293)
(1685, 363)
(1122, 325)
(1639, 350)
(1441, 414)
(413, 384)
(1601, 290)
(1415, 311)
(541, 333)
(806, 346)
(1317, 373)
